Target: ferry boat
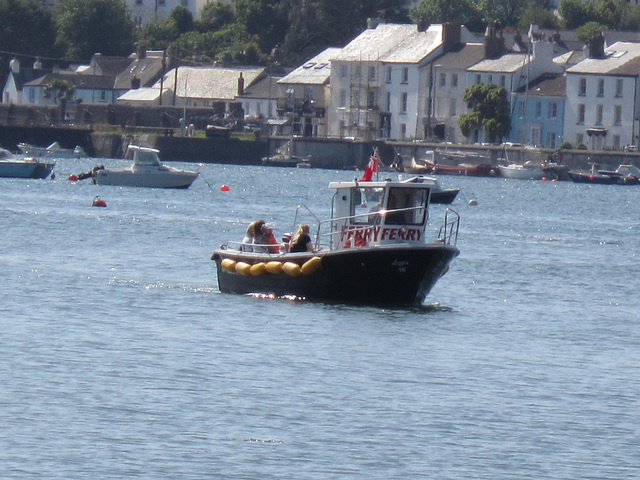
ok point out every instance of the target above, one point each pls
(378, 247)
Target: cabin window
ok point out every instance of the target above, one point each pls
(406, 206)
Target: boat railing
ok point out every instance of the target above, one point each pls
(335, 224)
(448, 233)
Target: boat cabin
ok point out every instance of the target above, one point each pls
(379, 213)
(143, 156)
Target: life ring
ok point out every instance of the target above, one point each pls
(311, 266)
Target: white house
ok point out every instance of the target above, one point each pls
(306, 95)
(18, 76)
(380, 81)
(603, 97)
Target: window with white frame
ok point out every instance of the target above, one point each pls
(553, 110)
(538, 109)
(388, 74)
(582, 86)
(443, 79)
(388, 101)
(619, 87)
(551, 140)
(579, 138)
(343, 71)
(103, 95)
(454, 80)
(478, 78)
(371, 98)
(403, 130)
(343, 98)
(503, 80)
(372, 74)
(452, 107)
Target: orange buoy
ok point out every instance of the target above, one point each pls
(98, 202)
(224, 188)
(73, 178)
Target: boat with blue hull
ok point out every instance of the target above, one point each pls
(365, 254)
(13, 166)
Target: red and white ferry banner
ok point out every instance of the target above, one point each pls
(356, 236)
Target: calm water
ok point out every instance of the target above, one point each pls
(122, 360)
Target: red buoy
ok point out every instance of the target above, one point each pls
(98, 202)
(224, 188)
(73, 178)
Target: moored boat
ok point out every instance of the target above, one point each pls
(623, 175)
(53, 151)
(378, 255)
(527, 171)
(13, 166)
(146, 171)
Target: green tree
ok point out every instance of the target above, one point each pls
(575, 13)
(541, 16)
(502, 12)
(25, 27)
(214, 16)
(489, 111)
(444, 11)
(183, 19)
(61, 91)
(587, 31)
(86, 27)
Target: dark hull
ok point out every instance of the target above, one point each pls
(394, 275)
(444, 196)
(601, 179)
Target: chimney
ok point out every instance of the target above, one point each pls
(372, 23)
(14, 64)
(240, 84)
(596, 45)
(423, 25)
(135, 83)
(141, 50)
(493, 44)
(37, 65)
(451, 34)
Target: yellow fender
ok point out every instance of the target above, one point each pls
(311, 265)
(274, 267)
(243, 268)
(229, 264)
(291, 268)
(258, 269)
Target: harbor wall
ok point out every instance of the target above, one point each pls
(325, 152)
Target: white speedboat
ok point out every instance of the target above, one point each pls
(528, 171)
(146, 171)
(53, 151)
(13, 166)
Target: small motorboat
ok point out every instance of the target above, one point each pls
(283, 157)
(52, 151)
(146, 171)
(14, 166)
(526, 171)
(623, 175)
(382, 255)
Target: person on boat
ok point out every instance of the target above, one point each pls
(265, 240)
(301, 242)
(247, 241)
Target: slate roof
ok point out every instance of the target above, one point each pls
(210, 82)
(147, 70)
(392, 43)
(27, 75)
(92, 82)
(261, 88)
(507, 63)
(315, 71)
(547, 85)
(621, 59)
(463, 57)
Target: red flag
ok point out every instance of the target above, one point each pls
(372, 167)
